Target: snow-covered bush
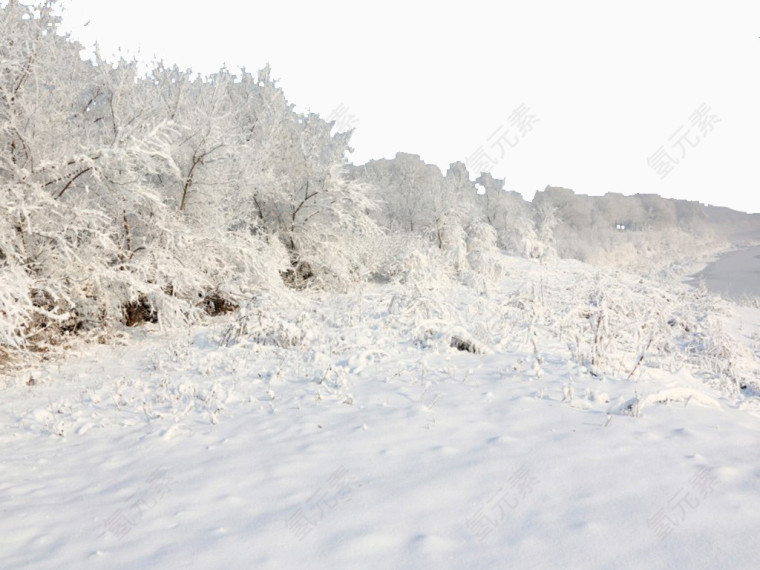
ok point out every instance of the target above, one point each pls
(266, 323)
(487, 265)
(413, 261)
(618, 325)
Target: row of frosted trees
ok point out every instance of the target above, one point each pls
(128, 196)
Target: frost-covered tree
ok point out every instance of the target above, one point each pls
(294, 187)
(416, 198)
(404, 187)
(546, 220)
(509, 214)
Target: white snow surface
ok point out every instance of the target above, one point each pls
(344, 431)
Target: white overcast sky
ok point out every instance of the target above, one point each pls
(608, 83)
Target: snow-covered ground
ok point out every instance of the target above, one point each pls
(602, 420)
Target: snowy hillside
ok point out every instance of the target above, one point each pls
(223, 345)
(603, 421)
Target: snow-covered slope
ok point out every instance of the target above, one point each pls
(597, 420)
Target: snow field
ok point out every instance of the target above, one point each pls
(350, 433)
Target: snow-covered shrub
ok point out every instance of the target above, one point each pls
(15, 308)
(451, 239)
(486, 263)
(272, 321)
(620, 325)
(411, 260)
(431, 318)
(337, 242)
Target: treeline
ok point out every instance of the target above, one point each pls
(128, 196)
(643, 231)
